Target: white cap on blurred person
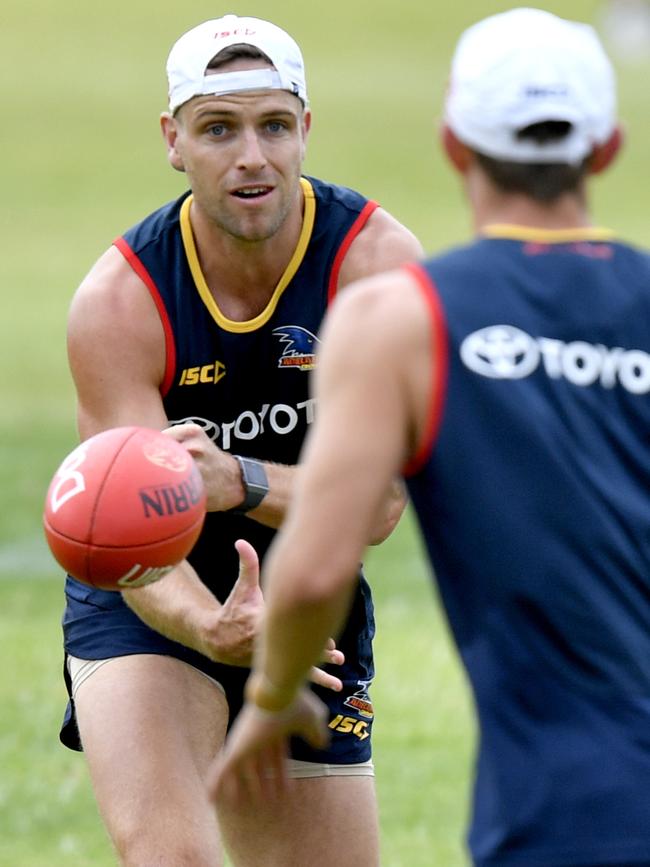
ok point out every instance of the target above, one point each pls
(524, 67)
(191, 54)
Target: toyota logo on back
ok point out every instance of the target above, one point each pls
(500, 352)
(506, 352)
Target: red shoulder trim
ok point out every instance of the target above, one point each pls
(440, 365)
(353, 231)
(145, 276)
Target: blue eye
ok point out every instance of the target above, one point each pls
(218, 129)
(275, 126)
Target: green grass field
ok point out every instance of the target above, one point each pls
(82, 160)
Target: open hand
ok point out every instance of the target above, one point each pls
(231, 637)
(253, 763)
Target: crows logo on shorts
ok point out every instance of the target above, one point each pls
(360, 700)
(299, 347)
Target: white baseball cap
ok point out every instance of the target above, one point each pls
(524, 67)
(190, 55)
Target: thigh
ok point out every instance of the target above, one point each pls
(322, 821)
(149, 726)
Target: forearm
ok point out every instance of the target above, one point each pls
(272, 510)
(306, 605)
(282, 480)
(223, 477)
(292, 643)
(179, 606)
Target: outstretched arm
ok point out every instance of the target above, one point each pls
(116, 348)
(185, 610)
(221, 475)
(373, 403)
(117, 357)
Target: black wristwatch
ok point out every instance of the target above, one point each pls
(255, 482)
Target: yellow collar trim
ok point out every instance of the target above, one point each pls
(546, 236)
(187, 235)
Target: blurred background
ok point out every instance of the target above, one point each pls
(82, 159)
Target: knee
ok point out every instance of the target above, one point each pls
(145, 850)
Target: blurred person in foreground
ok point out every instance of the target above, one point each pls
(204, 319)
(626, 27)
(509, 381)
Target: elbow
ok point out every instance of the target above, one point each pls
(390, 516)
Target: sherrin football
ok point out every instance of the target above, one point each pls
(124, 508)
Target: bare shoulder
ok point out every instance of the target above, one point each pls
(113, 311)
(378, 337)
(111, 296)
(116, 347)
(383, 243)
(384, 310)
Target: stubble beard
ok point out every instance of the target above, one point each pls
(252, 230)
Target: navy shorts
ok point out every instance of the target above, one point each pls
(99, 625)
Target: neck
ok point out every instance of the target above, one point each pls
(241, 274)
(491, 205)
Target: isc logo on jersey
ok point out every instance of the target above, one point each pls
(208, 373)
(506, 352)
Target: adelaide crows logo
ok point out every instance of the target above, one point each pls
(299, 347)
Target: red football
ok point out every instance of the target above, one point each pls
(124, 508)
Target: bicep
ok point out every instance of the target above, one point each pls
(371, 384)
(116, 350)
(358, 443)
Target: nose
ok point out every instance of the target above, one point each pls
(251, 155)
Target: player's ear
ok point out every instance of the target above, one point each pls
(458, 153)
(169, 129)
(603, 155)
(306, 126)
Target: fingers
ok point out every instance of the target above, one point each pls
(249, 564)
(184, 432)
(334, 657)
(232, 782)
(272, 771)
(332, 654)
(260, 778)
(316, 734)
(323, 678)
(253, 764)
(312, 725)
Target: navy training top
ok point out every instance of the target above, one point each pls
(245, 383)
(533, 495)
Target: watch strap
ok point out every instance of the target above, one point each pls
(255, 482)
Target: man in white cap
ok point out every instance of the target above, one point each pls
(204, 318)
(509, 379)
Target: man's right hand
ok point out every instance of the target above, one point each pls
(220, 471)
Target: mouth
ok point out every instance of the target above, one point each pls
(257, 191)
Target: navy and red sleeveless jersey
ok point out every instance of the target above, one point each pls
(245, 383)
(533, 496)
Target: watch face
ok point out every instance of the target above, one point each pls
(256, 484)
